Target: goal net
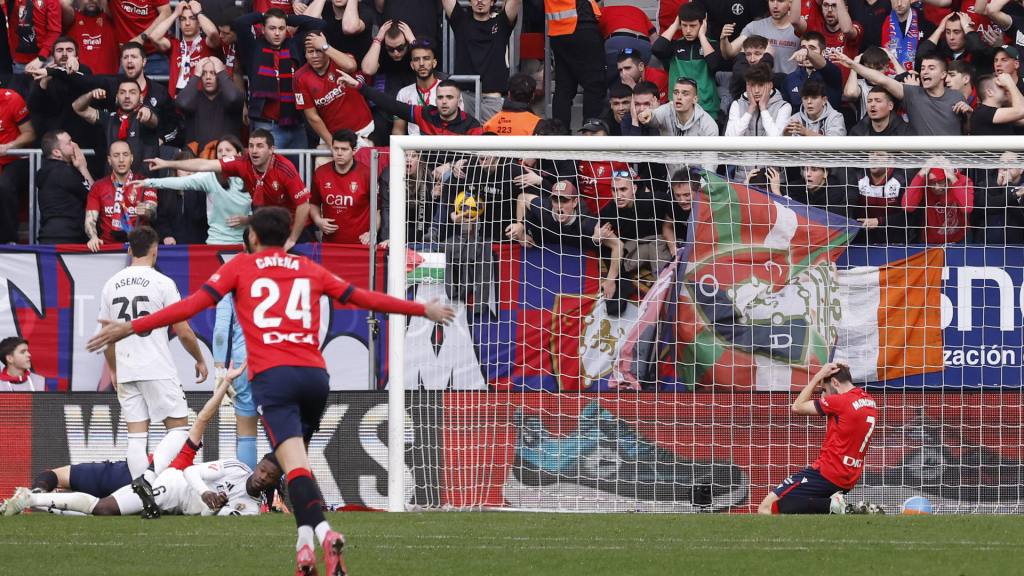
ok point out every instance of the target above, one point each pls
(635, 317)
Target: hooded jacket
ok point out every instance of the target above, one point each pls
(700, 123)
(743, 123)
(829, 123)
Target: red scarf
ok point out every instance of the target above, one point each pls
(126, 122)
(6, 376)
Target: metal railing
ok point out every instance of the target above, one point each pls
(475, 79)
(305, 166)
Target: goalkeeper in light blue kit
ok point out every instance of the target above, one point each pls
(227, 206)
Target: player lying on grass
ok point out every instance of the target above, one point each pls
(101, 479)
(223, 487)
(820, 488)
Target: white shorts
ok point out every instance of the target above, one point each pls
(153, 400)
(172, 492)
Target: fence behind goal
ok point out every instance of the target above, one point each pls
(653, 370)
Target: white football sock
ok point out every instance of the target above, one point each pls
(321, 531)
(305, 538)
(168, 448)
(73, 501)
(136, 455)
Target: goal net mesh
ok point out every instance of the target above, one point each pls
(633, 327)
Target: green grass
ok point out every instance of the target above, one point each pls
(516, 543)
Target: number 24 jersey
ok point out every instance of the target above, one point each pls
(274, 297)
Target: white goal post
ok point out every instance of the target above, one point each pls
(840, 153)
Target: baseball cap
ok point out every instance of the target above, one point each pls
(594, 125)
(563, 188)
(423, 44)
(1011, 51)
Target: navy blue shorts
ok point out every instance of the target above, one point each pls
(100, 479)
(807, 483)
(291, 401)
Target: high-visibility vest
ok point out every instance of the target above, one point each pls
(561, 16)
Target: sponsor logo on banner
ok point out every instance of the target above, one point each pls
(602, 337)
(348, 454)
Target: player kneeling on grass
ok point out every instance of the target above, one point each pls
(223, 487)
(820, 488)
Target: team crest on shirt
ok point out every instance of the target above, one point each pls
(274, 185)
(330, 77)
(737, 8)
(354, 186)
(328, 185)
(600, 171)
(152, 101)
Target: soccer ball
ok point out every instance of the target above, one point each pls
(916, 505)
(467, 207)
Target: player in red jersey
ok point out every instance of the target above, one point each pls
(134, 19)
(270, 178)
(274, 295)
(114, 206)
(328, 103)
(852, 416)
(92, 28)
(340, 202)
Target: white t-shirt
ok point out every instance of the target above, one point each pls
(411, 95)
(134, 292)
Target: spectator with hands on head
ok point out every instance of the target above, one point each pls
(199, 38)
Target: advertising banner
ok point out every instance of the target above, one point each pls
(720, 452)
(947, 317)
(700, 452)
(348, 455)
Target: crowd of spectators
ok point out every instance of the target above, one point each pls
(185, 106)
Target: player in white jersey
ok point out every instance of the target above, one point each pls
(141, 366)
(223, 487)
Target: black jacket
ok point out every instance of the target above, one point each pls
(181, 214)
(62, 192)
(897, 127)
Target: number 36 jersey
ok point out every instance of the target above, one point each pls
(134, 292)
(274, 297)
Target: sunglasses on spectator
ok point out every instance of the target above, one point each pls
(397, 49)
(622, 174)
(687, 81)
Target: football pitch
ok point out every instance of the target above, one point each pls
(523, 543)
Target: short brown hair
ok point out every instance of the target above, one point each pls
(843, 374)
(755, 42)
(759, 73)
(9, 345)
(141, 241)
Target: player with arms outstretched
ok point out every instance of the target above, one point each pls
(274, 293)
(852, 415)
